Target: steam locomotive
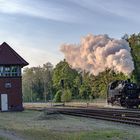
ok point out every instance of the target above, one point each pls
(123, 93)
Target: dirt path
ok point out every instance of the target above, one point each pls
(10, 135)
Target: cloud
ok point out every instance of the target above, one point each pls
(124, 10)
(37, 9)
(95, 54)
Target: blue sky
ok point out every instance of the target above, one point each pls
(37, 28)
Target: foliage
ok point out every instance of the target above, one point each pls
(84, 92)
(57, 97)
(134, 42)
(40, 83)
(64, 72)
(66, 96)
(37, 83)
(64, 77)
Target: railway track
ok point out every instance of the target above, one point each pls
(117, 115)
(128, 116)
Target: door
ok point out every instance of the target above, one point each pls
(4, 102)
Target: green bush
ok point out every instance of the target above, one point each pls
(57, 97)
(66, 96)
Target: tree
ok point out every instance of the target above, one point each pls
(28, 85)
(37, 83)
(38, 87)
(99, 83)
(64, 76)
(47, 80)
(77, 84)
(134, 42)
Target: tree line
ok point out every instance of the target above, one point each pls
(64, 83)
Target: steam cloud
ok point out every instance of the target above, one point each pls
(98, 53)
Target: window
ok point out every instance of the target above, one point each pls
(7, 71)
(1, 71)
(14, 71)
(8, 85)
(11, 71)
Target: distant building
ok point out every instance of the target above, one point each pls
(10, 79)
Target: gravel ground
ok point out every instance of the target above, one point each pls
(76, 104)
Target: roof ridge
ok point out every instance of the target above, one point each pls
(21, 59)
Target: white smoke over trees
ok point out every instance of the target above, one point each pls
(96, 53)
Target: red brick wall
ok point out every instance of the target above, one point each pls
(14, 93)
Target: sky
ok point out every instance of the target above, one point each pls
(36, 29)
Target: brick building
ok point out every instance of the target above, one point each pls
(10, 79)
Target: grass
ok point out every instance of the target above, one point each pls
(31, 125)
(95, 135)
(2, 138)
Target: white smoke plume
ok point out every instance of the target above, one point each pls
(96, 53)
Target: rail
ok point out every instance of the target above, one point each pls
(117, 115)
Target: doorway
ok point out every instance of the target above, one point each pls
(4, 102)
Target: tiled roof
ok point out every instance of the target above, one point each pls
(9, 57)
